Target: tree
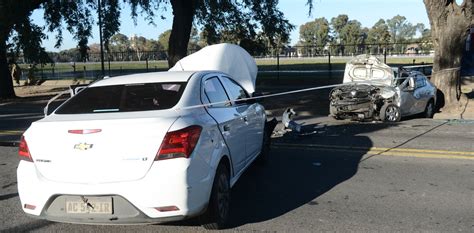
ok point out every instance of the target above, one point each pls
(119, 47)
(450, 25)
(401, 31)
(378, 35)
(337, 24)
(14, 21)
(164, 39)
(214, 16)
(353, 35)
(315, 33)
(138, 45)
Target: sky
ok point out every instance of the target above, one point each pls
(368, 12)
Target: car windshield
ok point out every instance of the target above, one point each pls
(124, 98)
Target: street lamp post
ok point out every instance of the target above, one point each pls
(100, 38)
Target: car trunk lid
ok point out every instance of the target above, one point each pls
(96, 151)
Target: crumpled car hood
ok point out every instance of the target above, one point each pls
(228, 58)
(368, 69)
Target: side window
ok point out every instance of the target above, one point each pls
(215, 92)
(236, 92)
(420, 82)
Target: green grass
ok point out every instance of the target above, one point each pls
(92, 70)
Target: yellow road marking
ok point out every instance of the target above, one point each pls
(404, 152)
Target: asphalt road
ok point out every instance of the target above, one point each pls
(413, 176)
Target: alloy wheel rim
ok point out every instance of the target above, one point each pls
(391, 113)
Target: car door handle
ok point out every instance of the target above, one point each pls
(245, 118)
(226, 128)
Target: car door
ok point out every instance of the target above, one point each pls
(228, 118)
(407, 98)
(421, 94)
(251, 115)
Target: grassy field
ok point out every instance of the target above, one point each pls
(92, 70)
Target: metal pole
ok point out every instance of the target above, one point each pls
(100, 38)
(329, 60)
(278, 66)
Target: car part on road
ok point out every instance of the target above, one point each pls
(287, 120)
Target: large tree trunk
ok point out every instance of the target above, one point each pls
(6, 82)
(450, 25)
(183, 11)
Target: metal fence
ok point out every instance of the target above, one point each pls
(269, 59)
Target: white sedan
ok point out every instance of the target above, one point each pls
(142, 148)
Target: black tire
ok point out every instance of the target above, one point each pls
(217, 213)
(390, 113)
(429, 110)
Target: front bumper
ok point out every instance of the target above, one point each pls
(168, 183)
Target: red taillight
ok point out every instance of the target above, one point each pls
(179, 144)
(23, 151)
(84, 131)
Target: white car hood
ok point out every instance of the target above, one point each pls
(227, 58)
(368, 69)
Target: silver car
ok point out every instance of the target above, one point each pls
(373, 90)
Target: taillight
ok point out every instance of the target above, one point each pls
(179, 144)
(23, 151)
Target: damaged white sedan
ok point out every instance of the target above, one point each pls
(147, 148)
(373, 90)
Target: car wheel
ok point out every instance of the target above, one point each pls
(429, 110)
(390, 113)
(217, 214)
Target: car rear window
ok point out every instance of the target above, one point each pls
(124, 98)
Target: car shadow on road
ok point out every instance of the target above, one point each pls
(293, 177)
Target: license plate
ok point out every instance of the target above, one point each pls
(89, 205)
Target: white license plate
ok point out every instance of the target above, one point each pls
(91, 205)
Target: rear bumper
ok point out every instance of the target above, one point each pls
(168, 183)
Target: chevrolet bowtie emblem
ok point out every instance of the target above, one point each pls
(83, 146)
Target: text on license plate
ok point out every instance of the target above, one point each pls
(101, 205)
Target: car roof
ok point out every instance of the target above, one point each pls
(166, 76)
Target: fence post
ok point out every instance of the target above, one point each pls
(85, 72)
(329, 60)
(146, 60)
(109, 64)
(385, 55)
(278, 66)
(42, 71)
